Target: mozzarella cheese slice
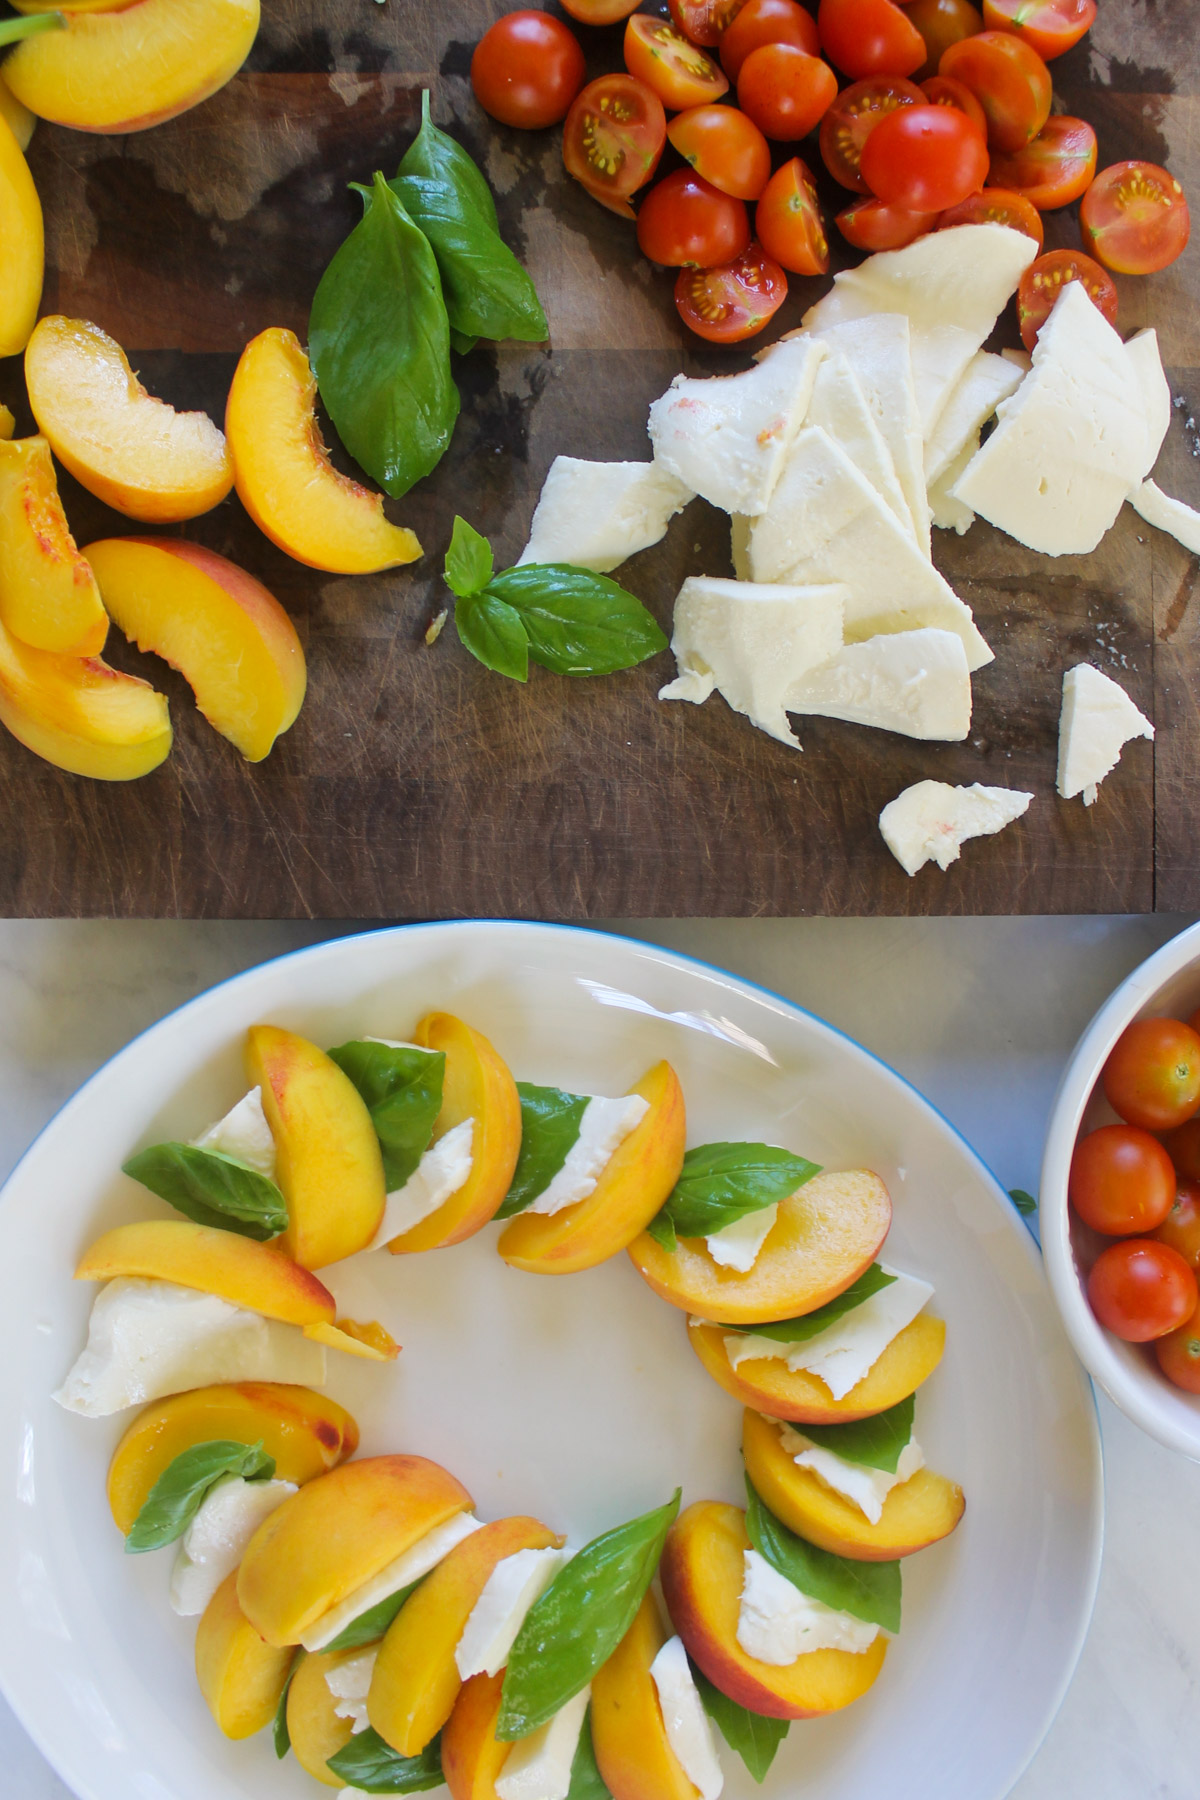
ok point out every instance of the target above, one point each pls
(1142, 353)
(931, 821)
(916, 683)
(737, 1246)
(1097, 720)
(538, 1767)
(244, 1134)
(839, 407)
(400, 1573)
(442, 1170)
(777, 1624)
(985, 382)
(948, 513)
(688, 1727)
(214, 1543)
(602, 1130)
(595, 514)
(497, 1616)
(350, 1684)
(865, 1488)
(848, 1349)
(1157, 508)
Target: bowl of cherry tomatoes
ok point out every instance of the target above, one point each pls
(1120, 1196)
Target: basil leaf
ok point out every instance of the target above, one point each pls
(279, 1730)
(212, 1189)
(492, 631)
(580, 1620)
(587, 1783)
(578, 623)
(402, 1090)
(868, 1590)
(721, 1183)
(469, 561)
(810, 1325)
(180, 1490)
(379, 341)
(550, 1122)
(1024, 1202)
(663, 1232)
(371, 1625)
(874, 1443)
(755, 1738)
(367, 1762)
(460, 343)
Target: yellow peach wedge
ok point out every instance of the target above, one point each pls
(631, 1189)
(48, 593)
(241, 1676)
(238, 1269)
(314, 1728)
(370, 1341)
(628, 1733)
(81, 715)
(22, 245)
(285, 479)
(18, 118)
(132, 451)
(472, 1754)
(7, 423)
(767, 1384)
(226, 634)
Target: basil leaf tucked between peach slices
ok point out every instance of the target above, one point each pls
(866, 1590)
(371, 1625)
(184, 1484)
(721, 1183)
(211, 1188)
(753, 1737)
(550, 1121)
(373, 1767)
(401, 1086)
(587, 1783)
(810, 1325)
(874, 1443)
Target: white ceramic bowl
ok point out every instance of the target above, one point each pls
(1166, 985)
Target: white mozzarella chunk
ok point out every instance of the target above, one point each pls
(1158, 509)
(726, 437)
(595, 514)
(865, 1488)
(602, 1130)
(688, 1727)
(985, 382)
(777, 1623)
(848, 1349)
(400, 1573)
(147, 1339)
(442, 1170)
(931, 821)
(497, 1616)
(1070, 444)
(752, 642)
(949, 514)
(538, 1767)
(839, 407)
(244, 1134)
(1097, 720)
(737, 1246)
(916, 683)
(215, 1541)
(1143, 356)
(350, 1683)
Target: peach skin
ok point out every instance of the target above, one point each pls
(48, 593)
(226, 634)
(921, 1510)
(337, 1533)
(472, 1755)
(241, 1676)
(285, 479)
(313, 1726)
(132, 451)
(628, 1734)
(478, 1085)
(702, 1570)
(18, 118)
(631, 1189)
(238, 1269)
(23, 238)
(329, 1164)
(767, 1384)
(825, 1235)
(79, 714)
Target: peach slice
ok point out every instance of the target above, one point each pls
(7, 423)
(628, 1734)
(79, 714)
(132, 451)
(313, 1726)
(305, 1432)
(241, 1676)
(767, 1383)
(630, 1191)
(472, 1754)
(48, 593)
(128, 69)
(921, 1510)
(702, 1570)
(329, 1164)
(478, 1085)
(285, 479)
(824, 1237)
(226, 634)
(336, 1534)
(23, 237)
(18, 118)
(238, 1269)
(370, 1341)
(416, 1680)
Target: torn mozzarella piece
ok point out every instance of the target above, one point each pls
(931, 821)
(1097, 720)
(1142, 354)
(985, 382)
(777, 1623)
(215, 1541)
(350, 1683)
(595, 514)
(839, 407)
(848, 1349)
(442, 1170)
(497, 1616)
(949, 514)
(602, 1130)
(737, 1246)
(916, 683)
(401, 1572)
(538, 1767)
(243, 1134)
(865, 1488)
(1158, 509)
(688, 1727)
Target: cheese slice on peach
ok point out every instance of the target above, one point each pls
(80, 714)
(241, 1677)
(48, 593)
(767, 1384)
(237, 1269)
(628, 1733)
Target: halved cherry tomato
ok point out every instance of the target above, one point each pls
(789, 223)
(663, 58)
(1134, 218)
(942, 23)
(1152, 1076)
(873, 225)
(996, 206)
(767, 22)
(1009, 80)
(613, 138)
(943, 90)
(785, 91)
(704, 20)
(1045, 279)
(1055, 167)
(925, 158)
(725, 147)
(869, 37)
(1178, 1354)
(733, 302)
(599, 12)
(685, 221)
(1181, 1227)
(1141, 1290)
(1050, 26)
(527, 69)
(1183, 1146)
(1121, 1180)
(853, 117)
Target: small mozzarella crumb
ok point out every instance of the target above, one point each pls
(1097, 720)
(350, 1683)
(602, 1130)
(215, 1541)
(1173, 516)
(737, 1246)
(442, 1170)
(778, 1624)
(243, 1134)
(864, 1487)
(688, 1727)
(931, 821)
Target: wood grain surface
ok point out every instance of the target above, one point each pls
(415, 783)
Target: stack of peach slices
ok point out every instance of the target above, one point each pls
(395, 1640)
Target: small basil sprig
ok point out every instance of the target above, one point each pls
(212, 1189)
(867, 1590)
(587, 1783)
(549, 1127)
(753, 1737)
(874, 1443)
(371, 1625)
(12, 30)
(402, 1090)
(279, 1731)
(180, 1490)
(810, 1325)
(580, 1620)
(569, 620)
(721, 1183)
(367, 1762)
(1023, 1201)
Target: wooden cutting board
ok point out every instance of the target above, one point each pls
(415, 782)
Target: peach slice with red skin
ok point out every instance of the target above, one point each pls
(238, 1269)
(80, 714)
(628, 1734)
(314, 1728)
(48, 593)
(241, 1676)
(472, 1754)
(23, 237)
(767, 1384)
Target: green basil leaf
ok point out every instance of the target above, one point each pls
(663, 1232)
(180, 1490)
(212, 1189)
(721, 1183)
(469, 561)
(373, 1624)
(867, 1590)
(578, 623)
(402, 1090)
(580, 1620)
(753, 1737)
(810, 1325)
(460, 343)
(368, 1763)
(379, 341)
(874, 1443)
(549, 1127)
(587, 1783)
(279, 1730)
(1024, 1202)
(493, 632)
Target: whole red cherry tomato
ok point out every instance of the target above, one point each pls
(943, 90)
(1181, 1227)
(1121, 1180)
(1178, 1355)
(613, 138)
(925, 158)
(785, 91)
(995, 206)
(1009, 80)
(767, 22)
(1049, 26)
(942, 23)
(1055, 167)
(1152, 1076)
(852, 118)
(680, 74)
(1045, 279)
(789, 223)
(729, 304)
(1183, 1146)
(1141, 1290)
(874, 225)
(684, 220)
(1134, 218)
(527, 69)
(725, 147)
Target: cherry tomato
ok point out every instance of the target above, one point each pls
(1178, 1354)
(1141, 1289)
(613, 138)
(526, 70)
(1009, 80)
(684, 221)
(1045, 279)
(1049, 26)
(785, 91)
(943, 90)
(995, 206)
(704, 20)
(1183, 1147)
(852, 118)
(1181, 1227)
(873, 225)
(1134, 218)
(725, 147)
(663, 58)
(1121, 1180)
(925, 158)
(733, 302)
(869, 37)
(767, 22)
(1152, 1076)
(599, 12)
(789, 223)
(1054, 168)
(942, 23)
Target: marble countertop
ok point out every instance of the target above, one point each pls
(978, 1013)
